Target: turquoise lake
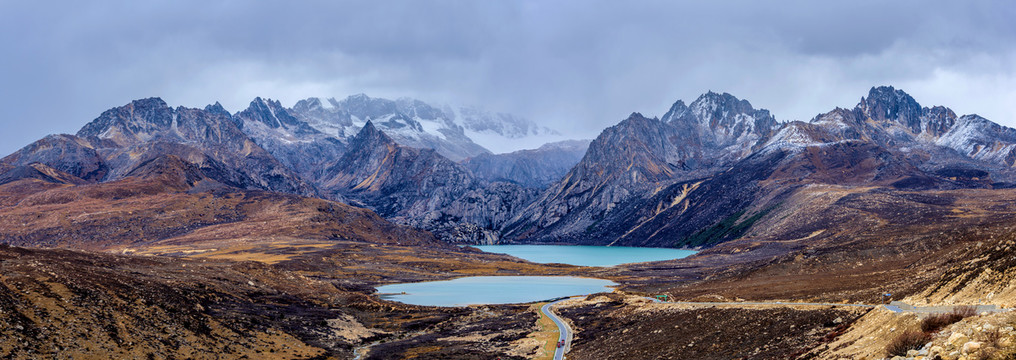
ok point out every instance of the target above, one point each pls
(492, 290)
(586, 255)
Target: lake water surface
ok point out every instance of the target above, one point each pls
(492, 290)
(586, 255)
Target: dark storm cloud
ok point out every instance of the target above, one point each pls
(577, 66)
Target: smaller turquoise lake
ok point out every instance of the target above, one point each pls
(492, 290)
(586, 255)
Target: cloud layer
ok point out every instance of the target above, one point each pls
(575, 66)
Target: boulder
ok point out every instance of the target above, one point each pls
(957, 339)
(971, 347)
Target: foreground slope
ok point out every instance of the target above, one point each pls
(166, 198)
(307, 293)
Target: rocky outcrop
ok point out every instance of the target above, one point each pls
(41, 172)
(477, 216)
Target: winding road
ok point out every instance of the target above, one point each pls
(566, 331)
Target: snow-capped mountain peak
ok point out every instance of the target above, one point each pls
(722, 122)
(455, 133)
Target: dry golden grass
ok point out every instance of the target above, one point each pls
(417, 351)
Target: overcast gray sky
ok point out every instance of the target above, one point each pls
(577, 66)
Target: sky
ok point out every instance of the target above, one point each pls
(574, 66)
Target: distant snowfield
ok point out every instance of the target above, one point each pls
(499, 144)
(455, 132)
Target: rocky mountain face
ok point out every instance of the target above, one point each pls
(67, 153)
(640, 156)
(478, 215)
(721, 127)
(702, 174)
(537, 168)
(422, 188)
(624, 158)
(395, 180)
(708, 171)
(41, 172)
(293, 142)
(122, 138)
(267, 147)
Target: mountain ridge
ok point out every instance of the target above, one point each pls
(888, 140)
(634, 174)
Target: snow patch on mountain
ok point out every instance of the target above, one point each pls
(981, 139)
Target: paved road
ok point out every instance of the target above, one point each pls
(895, 306)
(566, 331)
(742, 303)
(900, 307)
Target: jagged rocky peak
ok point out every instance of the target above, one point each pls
(677, 111)
(722, 120)
(217, 109)
(885, 103)
(726, 112)
(369, 131)
(718, 107)
(269, 112)
(314, 104)
(370, 137)
(635, 121)
(130, 124)
(938, 120)
(639, 146)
